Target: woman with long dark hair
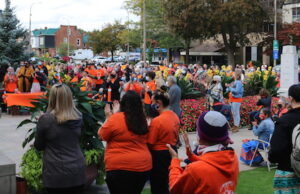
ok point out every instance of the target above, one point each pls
(127, 159)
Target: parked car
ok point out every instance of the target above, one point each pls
(99, 59)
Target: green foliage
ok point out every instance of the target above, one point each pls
(63, 49)
(12, 37)
(226, 80)
(258, 81)
(108, 39)
(93, 156)
(187, 90)
(31, 169)
(92, 113)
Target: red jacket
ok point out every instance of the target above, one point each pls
(211, 173)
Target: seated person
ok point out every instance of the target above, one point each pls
(266, 127)
(265, 101)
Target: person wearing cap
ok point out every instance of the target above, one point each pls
(216, 168)
(285, 179)
(216, 93)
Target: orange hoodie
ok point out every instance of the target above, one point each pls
(211, 173)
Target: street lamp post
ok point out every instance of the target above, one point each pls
(275, 27)
(30, 15)
(68, 39)
(144, 31)
(128, 46)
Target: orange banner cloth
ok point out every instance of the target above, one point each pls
(22, 99)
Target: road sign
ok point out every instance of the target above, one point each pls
(275, 45)
(275, 54)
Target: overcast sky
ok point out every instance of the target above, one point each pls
(86, 14)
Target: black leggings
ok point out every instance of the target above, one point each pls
(73, 190)
(126, 182)
(159, 177)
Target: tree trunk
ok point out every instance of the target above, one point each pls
(187, 51)
(230, 56)
(169, 56)
(229, 50)
(112, 55)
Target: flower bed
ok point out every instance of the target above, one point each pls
(192, 109)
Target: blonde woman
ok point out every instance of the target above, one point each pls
(58, 134)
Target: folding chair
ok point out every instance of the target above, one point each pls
(264, 152)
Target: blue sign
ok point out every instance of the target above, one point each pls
(275, 54)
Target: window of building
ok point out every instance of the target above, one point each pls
(296, 14)
(65, 40)
(78, 42)
(42, 42)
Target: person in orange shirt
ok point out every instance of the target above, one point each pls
(10, 81)
(133, 85)
(127, 158)
(150, 87)
(164, 129)
(86, 84)
(216, 169)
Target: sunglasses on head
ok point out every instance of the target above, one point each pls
(58, 85)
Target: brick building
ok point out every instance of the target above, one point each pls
(76, 37)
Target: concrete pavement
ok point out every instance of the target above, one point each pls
(11, 143)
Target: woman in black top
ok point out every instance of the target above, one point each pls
(58, 134)
(285, 180)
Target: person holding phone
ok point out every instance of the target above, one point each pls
(215, 159)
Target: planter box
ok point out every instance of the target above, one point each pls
(7, 175)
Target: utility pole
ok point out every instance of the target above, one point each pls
(144, 32)
(128, 46)
(68, 35)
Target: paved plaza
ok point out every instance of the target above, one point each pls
(11, 144)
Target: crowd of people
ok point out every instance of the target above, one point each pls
(143, 119)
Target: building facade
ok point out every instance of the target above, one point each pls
(291, 11)
(71, 34)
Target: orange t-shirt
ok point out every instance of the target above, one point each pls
(152, 86)
(125, 150)
(134, 87)
(163, 130)
(11, 86)
(99, 73)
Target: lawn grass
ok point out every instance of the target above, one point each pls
(257, 181)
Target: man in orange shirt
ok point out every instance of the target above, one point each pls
(216, 170)
(163, 130)
(150, 87)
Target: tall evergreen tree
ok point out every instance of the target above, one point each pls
(12, 37)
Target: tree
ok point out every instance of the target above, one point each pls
(156, 24)
(108, 39)
(187, 19)
(235, 20)
(63, 49)
(12, 37)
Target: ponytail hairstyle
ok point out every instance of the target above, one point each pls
(163, 96)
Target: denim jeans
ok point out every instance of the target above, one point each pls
(235, 109)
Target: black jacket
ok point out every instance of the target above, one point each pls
(63, 161)
(265, 102)
(281, 142)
